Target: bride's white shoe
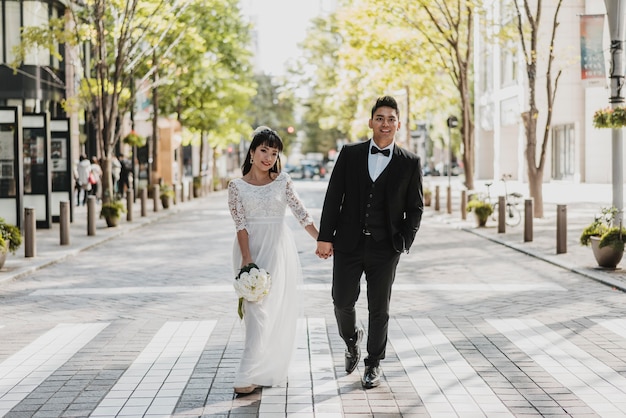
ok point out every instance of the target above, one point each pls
(245, 390)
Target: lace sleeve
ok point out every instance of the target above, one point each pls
(296, 206)
(236, 207)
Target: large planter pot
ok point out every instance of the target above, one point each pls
(481, 221)
(112, 220)
(606, 257)
(3, 256)
(166, 201)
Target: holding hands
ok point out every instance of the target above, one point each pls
(324, 249)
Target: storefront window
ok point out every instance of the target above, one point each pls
(36, 14)
(34, 163)
(8, 185)
(13, 21)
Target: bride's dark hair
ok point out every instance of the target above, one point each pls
(263, 136)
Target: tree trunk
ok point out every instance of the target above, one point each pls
(535, 174)
(535, 186)
(215, 176)
(202, 147)
(155, 122)
(467, 128)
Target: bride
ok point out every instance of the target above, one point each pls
(257, 203)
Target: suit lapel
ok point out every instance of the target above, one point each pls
(394, 168)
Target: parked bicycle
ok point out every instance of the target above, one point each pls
(513, 215)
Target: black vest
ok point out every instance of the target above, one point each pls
(373, 218)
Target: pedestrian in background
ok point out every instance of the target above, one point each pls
(372, 211)
(257, 203)
(96, 177)
(83, 169)
(116, 172)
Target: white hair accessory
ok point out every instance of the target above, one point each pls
(260, 129)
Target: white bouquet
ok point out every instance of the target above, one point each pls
(252, 284)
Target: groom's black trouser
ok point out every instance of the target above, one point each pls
(378, 260)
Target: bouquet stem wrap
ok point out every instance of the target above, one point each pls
(252, 284)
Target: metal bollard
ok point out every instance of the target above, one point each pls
(464, 204)
(449, 199)
(190, 184)
(144, 201)
(528, 220)
(501, 214)
(561, 229)
(91, 215)
(155, 197)
(437, 198)
(182, 192)
(64, 223)
(30, 227)
(130, 198)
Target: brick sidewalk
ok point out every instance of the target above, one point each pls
(47, 241)
(583, 202)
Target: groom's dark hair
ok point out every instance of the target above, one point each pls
(386, 101)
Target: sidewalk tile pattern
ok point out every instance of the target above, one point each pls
(21, 373)
(154, 382)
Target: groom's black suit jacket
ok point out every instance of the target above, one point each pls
(346, 196)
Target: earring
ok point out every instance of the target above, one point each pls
(251, 160)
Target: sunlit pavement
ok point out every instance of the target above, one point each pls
(141, 321)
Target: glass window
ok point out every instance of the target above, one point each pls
(13, 21)
(8, 166)
(36, 14)
(563, 152)
(508, 65)
(55, 60)
(509, 111)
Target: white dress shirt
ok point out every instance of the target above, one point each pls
(376, 163)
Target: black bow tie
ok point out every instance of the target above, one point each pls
(384, 152)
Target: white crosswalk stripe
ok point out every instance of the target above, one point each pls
(21, 373)
(154, 382)
(441, 376)
(588, 378)
(616, 325)
(311, 375)
(323, 287)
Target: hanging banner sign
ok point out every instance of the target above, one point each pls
(591, 52)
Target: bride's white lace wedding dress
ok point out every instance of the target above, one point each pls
(270, 325)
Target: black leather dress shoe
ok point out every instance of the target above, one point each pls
(371, 377)
(353, 352)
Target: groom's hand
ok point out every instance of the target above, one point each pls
(324, 249)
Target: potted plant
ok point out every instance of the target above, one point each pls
(166, 195)
(197, 186)
(134, 140)
(112, 211)
(482, 210)
(10, 240)
(428, 194)
(610, 118)
(606, 239)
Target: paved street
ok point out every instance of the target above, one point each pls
(145, 324)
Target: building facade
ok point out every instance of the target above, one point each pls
(576, 151)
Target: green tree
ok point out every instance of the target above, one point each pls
(115, 33)
(528, 27)
(194, 53)
(274, 106)
(446, 27)
(207, 83)
(353, 64)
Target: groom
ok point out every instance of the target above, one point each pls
(372, 211)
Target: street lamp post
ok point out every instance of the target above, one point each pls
(615, 10)
(452, 122)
